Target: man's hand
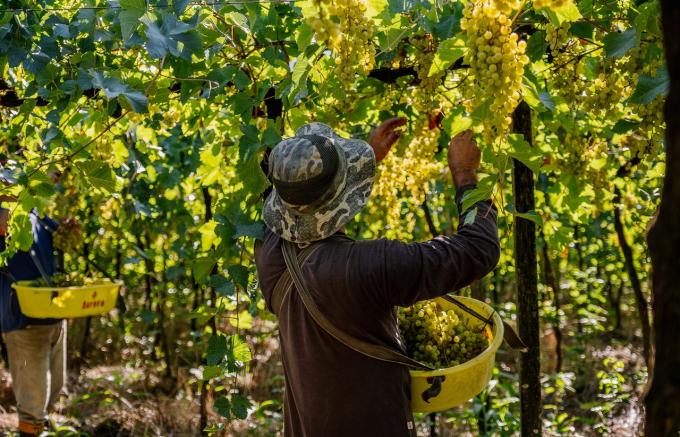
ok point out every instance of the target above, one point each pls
(464, 157)
(384, 136)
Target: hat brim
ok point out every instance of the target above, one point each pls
(324, 221)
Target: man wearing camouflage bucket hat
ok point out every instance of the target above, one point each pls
(321, 181)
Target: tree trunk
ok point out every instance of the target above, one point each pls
(640, 301)
(527, 289)
(663, 399)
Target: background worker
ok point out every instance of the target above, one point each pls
(36, 348)
(321, 181)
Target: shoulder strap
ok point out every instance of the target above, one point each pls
(378, 352)
(285, 281)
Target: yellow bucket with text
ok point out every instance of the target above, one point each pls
(67, 302)
(441, 389)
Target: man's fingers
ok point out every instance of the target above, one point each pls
(393, 137)
(394, 122)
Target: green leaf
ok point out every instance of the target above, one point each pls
(210, 372)
(622, 126)
(583, 30)
(522, 151)
(217, 349)
(253, 230)
(482, 192)
(470, 217)
(536, 46)
(271, 136)
(239, 350)
(208, 236)
(448, 51)
(239, 406)
(299, 76)
(249, 143)
(529, 215)
(617, 44)
(222, 407)
(565, 13)
(133, 5)
(304, 36)
(201, 268)
(98, 175)
(222, 285)
(547, 100)
(239, 274)
(129, 20)
(648, 88)
(250, 173)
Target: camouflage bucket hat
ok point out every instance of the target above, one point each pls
(321, 181)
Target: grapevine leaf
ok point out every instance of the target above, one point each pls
(98, 175)
(271, 136)
(529, 215)
(133, 5)
(522, 151)
(128, 23)
(239, 274)
(208, 236)
(566, 13)
(180, 6)
(617, 44)
(547, 100)
(648, 87)
(299, 76)
(222, 285)
(622, 126)
(239, 350)
(470, 217)
(254, 230)
(456, 122)
(375, 7)
(304, 36)
(536, 46)
(217, 349)
(249, 143)
(582, 29)
(239, 406)
(400, 6)
(447, 52)
(222, 407)
(250, 173)
(210, 372)
(482, 192)
(201, 268)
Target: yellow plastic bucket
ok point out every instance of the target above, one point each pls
(441, 389)
(67, 302)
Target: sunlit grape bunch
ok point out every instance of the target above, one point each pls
(556, 37)
(549, 4)
(68, 237)
(424, 97)
(505, 6)
(437, 337)
(497, 58)
(70, 279)
(610, 88)
(344, 27)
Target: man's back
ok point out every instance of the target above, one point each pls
(332, 390)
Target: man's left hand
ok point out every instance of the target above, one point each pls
(384, 136)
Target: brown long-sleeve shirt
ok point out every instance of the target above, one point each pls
(334, 391)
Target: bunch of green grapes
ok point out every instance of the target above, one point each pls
(344, 27)
(556, 37)
(497, 59)
(408, 172)
(652, 124)
(506, 6)
(68, 237)
(549, 4)
(604, 95)
(424, 97)
(437, 337)
(71, 279)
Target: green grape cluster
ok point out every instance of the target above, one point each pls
(610, 88)
(497, 59)
(437, 337)
(344, 27)
(549, 4)
(556, 37)
(424, 97)
(506, 6)
(71, 279)
(68, 237)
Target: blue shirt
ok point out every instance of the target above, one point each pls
(22, 267)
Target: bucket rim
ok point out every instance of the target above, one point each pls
(25, 286)
(490, 350)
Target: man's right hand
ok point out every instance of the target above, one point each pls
(464, 158)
